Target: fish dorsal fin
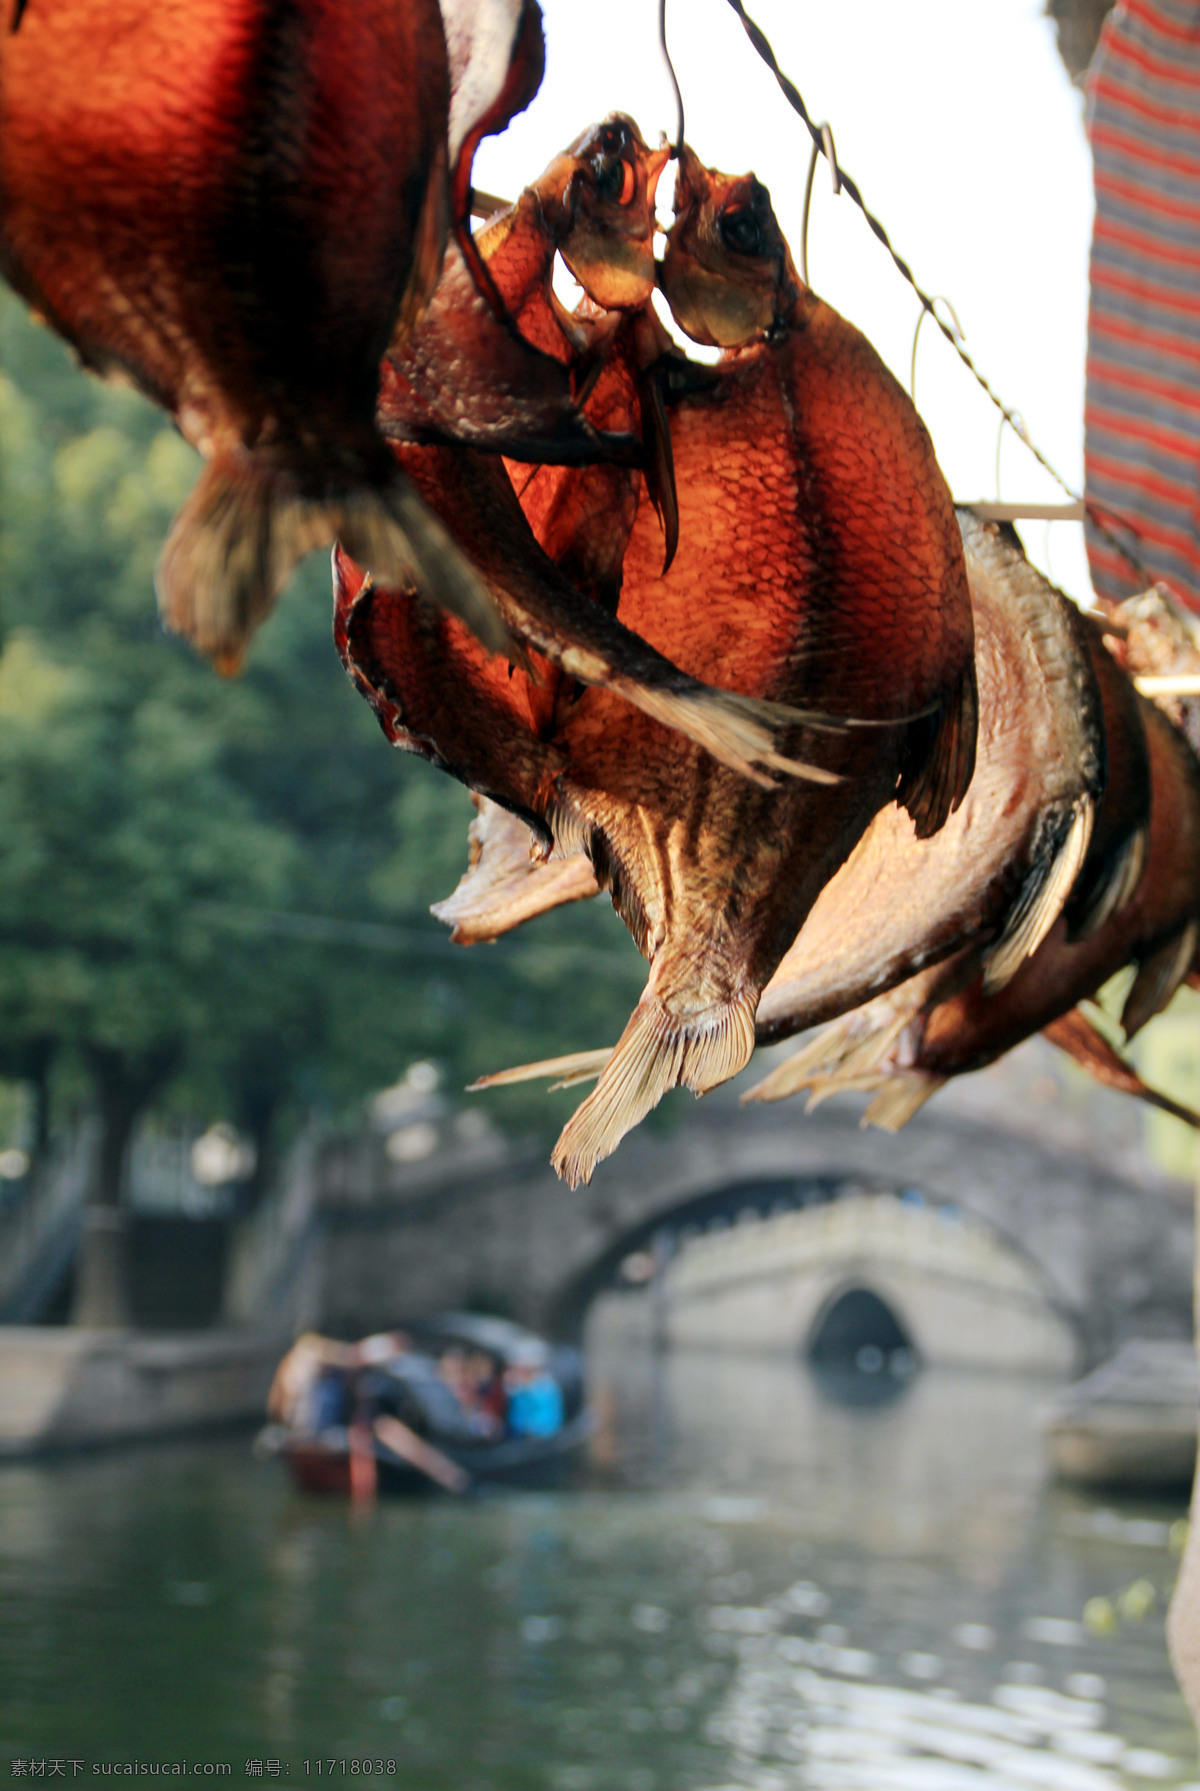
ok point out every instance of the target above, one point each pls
(1056, 865)
(1112, 888)
(1158, 977)
(492, 47)
(1086, 1045)
(1120, 840)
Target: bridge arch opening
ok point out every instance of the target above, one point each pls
(859, 1349)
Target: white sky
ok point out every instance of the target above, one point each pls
(966, 137)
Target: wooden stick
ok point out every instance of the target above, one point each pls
(1171, 684)
(995, 512)
(484, 205)
(421, 1455)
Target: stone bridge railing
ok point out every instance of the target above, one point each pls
(493, 1227)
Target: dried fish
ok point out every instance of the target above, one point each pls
(818, 559)
(907, 1044)
(996, 877)
(237, 206)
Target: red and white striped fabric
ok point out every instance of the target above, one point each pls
(1142, 448)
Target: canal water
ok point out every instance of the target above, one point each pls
(753, 1586)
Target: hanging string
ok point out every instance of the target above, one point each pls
(662, 43)
(795, 100)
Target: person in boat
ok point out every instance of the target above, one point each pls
(471, 1377)
(313, 1384)
(535, 1401)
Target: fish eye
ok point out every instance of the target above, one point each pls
(614, 178)
(741, 231)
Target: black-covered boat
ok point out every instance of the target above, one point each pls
(384, 1415)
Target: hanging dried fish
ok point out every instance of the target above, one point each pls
(997, 875)
(237, 205)
(819, 560)
(488, 364)
(906, 1045)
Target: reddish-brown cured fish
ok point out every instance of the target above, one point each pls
(237, 204)
(909, 1043)
(567, 641)
(819, 560)
(997, 875)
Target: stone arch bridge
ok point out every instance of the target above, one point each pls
(361, 1242)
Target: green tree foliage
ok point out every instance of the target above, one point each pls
(221, 888)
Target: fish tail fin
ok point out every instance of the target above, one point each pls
(247, 525)
(657, 1051)
(1083, 1042)
(1106, 894)
(939, 757)
(1040, 902)
(899, 1097)
(1158, 977)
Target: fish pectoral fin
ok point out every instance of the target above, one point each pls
(657, 1051)
(1086, 1045)
(1158, 977)
(1110, 890)
(900, 1097)
(576, 1066)
(246, 526)
(738, 730)
(659, 458)
(939, 757)
(1057, 862)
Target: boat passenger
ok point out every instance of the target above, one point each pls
(535, 1401)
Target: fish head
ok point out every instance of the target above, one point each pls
(598, 202)
(727, 273)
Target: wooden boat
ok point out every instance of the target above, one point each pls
(402, 1427)
(1132, 1422)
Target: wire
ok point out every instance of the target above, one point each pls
(818, 133)
(662, 41)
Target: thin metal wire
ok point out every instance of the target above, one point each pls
(662, 41)
(1017, 422)
(795, 100)
(829, 149)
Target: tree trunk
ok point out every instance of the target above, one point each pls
(40, 1060)
(125, 1086)
(259, 1112)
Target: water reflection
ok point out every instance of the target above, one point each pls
(763, 1590)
